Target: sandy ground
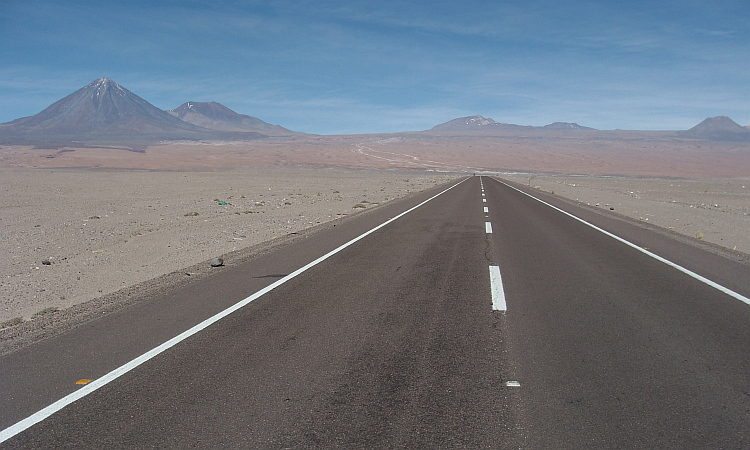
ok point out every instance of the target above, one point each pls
(714, 210)
(103, 230)
(651, 154)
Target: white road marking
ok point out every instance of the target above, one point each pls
(688, 272)
(496, 285)
(127, 367)
(482, 194)
(484, 200)
(488, 227)
(486, 209)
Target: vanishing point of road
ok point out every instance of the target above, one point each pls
(477, 315)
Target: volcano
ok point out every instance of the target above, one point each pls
(484, 125)
(216, 116)
(105, 112)
(719, 128)
(475, 124)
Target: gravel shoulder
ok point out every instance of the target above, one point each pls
(69, 236)
(714, 211)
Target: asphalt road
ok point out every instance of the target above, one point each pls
(392, 341)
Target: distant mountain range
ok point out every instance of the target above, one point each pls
(105, 113)
(720, 128)
(485, 125)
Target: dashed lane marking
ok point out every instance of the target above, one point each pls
(496, 285)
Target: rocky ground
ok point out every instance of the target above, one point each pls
(71, 235)
(713, 210)
(68, 236)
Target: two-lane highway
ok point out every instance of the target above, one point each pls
(472, 317)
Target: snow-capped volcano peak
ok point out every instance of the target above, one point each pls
(105, 84)
(104, 107)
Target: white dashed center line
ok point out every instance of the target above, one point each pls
(488, 227)
(498, 294)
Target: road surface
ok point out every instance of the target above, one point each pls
(470, 317)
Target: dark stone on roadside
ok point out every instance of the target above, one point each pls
(611, 209)
(217, 262)
(46, 262)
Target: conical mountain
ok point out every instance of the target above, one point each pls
(102, 106)
(216, 116)
(720, 128)
(104, 111)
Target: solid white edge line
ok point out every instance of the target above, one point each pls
(498, 294)
(488, 227)
(127, 367)
(688, 272)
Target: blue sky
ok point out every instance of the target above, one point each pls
(352, 66)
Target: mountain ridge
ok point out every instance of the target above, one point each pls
(487, 125)
(104, 112)
(215, 116)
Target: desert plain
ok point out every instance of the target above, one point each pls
(81, 224)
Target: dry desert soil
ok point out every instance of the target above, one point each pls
(87, 226)
(70, 235)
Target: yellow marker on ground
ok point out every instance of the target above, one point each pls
(84, 381)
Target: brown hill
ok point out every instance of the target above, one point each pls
(482, 125)
(476, 124)
(216, 116)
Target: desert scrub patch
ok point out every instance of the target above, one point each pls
(11, 322)
(359, 205)
(51, 309)
(192, 214)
